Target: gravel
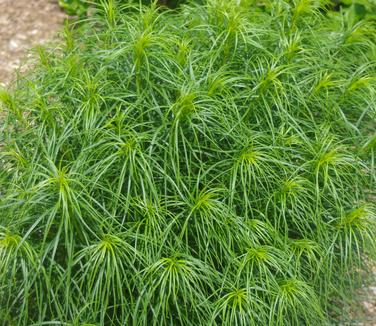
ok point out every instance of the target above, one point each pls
(24, 24)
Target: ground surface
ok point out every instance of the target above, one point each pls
(362, 309)
(23, 24)
(26, 23)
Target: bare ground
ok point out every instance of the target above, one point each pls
(361, 311)
(23, 24)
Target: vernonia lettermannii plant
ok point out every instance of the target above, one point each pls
(208, 166)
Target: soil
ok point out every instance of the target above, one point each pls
(362, 309)
(23, 24)
(27, 23)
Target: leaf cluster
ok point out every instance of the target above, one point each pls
(211, 166)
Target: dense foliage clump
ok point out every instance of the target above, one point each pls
(360, 9)
(211, 166)
(81, 7)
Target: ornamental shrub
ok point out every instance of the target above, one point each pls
(360, 9)
(215, 166)
(80, 7)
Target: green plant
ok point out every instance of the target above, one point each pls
(74, 7)
(211, 166)
(80, 7)
(360, 9)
